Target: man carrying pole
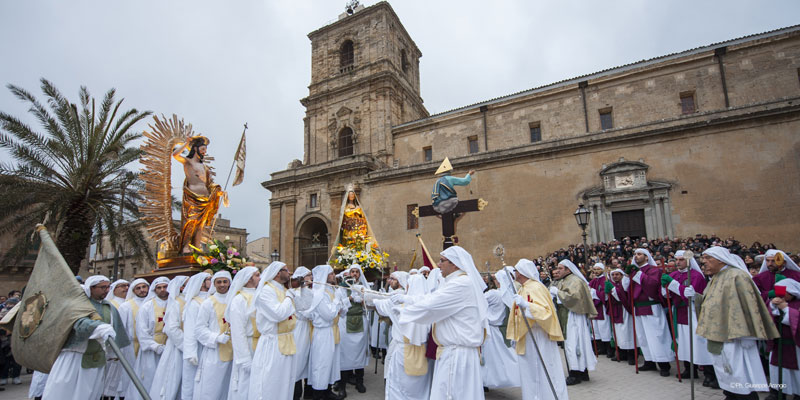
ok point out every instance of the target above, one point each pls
(540, 364)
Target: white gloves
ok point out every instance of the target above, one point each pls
(357, 288)
(193, 361)
(553, 291)
(521, 302)
(399, 298)
(689, 292)
(594, 294)
(614, 293)
(102, 333)
(159, 349)
(638, 277)
(674, 286)
(223, 338)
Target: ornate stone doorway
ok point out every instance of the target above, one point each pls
(312, 239)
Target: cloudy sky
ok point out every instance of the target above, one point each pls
(219, 64)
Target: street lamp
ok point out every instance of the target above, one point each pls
(582, 218)
(275, 255)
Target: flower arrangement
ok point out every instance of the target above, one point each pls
(358, 248)
(219, 257)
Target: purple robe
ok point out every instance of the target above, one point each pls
(790, 336)
(698, 283)
(765, 281)
(616, 306)
(599, 285)
(648, 290)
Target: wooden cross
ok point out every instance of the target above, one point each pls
(449, 219)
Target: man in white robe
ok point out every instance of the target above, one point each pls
(572, 291)
(213, 332)
(534, 300)
(78, 371)
(354, 336)
(458, 311)
(326, 308)
(137, 294)
(195, 294)
(167, 379)
(302, 332)
(243, 332)
(113, 386)
(498, 358)
(406, 370)
(150, 332)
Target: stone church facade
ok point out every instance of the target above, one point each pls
(702, 141)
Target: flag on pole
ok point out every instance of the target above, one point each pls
(239, 158)
(427, 260)
(53, 301)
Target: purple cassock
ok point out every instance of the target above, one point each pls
(648, 292)
(599, 285)
(616, 306)
(790, 336)
(699, 285)
(765, 281)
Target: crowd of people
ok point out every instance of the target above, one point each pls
(9, 368)
(443, 332)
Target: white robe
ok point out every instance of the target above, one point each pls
(213, 376)
(273, 373)
(38, 382)
(624, 331)
(242, 340)
(653, 337)
(167, 379)
(147, 362)
(498, 359)
(354, 346)
(738, 367)
(601, 329)
(578, 343)
(323, 360)
(113, 386)
(302, 341)
(68, 381)
(191, 347)
(399, 385)
(127, 316)
(459, 333)
(791, 377)
(701, 354)
(533, 379)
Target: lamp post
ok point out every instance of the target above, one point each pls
(275, 255)
(582, 218)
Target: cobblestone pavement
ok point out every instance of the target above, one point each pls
(610, 380)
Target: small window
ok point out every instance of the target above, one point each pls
(412, 220)
(312, 201)
(403, 60)
(427, 153)
(687, 103)
(473, 144)
(536, 131)
(346, 142)
(346, 56)
(606, 122)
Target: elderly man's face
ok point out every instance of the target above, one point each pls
(446, 266)
(121, 290)
(711, 266)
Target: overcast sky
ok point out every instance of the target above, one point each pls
(219, 64)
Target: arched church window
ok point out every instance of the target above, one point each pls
(345, 142)
(346, 56)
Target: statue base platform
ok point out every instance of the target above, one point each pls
(173, 266)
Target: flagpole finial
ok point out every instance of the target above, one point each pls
(245, 125)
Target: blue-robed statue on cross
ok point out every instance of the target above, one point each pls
(444, 196)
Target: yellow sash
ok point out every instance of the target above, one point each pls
(182, 304)
(335, 323)
(158, 313)
(135, 311)
(414, 361)
(226, 349)
(256, 334)
(114, 302)
(285, 328)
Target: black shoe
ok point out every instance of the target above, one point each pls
(772, 396)
(341, 388)
(331, 395)
(360, 387)
(571, 380)
(664, 372)
(584, 375)
(308, 392)
(611, 351)
(648, 366)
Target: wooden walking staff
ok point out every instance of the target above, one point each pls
(611, 320)
(691, 333)
(672, 333)
(780, 291)
(635, 342)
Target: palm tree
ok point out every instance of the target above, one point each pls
(70, 174)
